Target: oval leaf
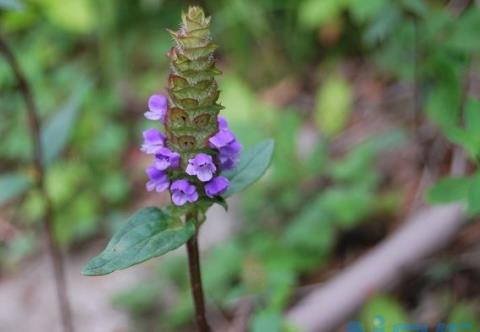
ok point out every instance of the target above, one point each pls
(253, 164)
(148, 233)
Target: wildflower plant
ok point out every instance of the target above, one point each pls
(197, 158)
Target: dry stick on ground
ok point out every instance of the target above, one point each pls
(330, 305)
(34, 127)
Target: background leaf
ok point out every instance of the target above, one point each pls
(382, 308)
(75, 16)
(464, 313)
(448, 190)
(57, 130)
(474, 195)
(314, 13)
(333, 105)
(253, 164)
(11, 4)
(148, 233)
(12, 185)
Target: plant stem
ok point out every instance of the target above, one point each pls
(196, 278)
(35, 135)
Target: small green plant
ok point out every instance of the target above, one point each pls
(197, 159)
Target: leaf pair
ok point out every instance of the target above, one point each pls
(152, 232)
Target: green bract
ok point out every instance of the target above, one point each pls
(192, 89)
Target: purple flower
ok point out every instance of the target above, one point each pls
(201, 166)
(183, 192)
(221, 139)
(158, 179)
(228, 161)
(153, 141)
(166, 158)
(217, 186)
(222, 123)
(157, 104)
(227, 145)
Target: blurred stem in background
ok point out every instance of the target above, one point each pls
(38, 164)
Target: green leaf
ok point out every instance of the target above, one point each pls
(418, 7)
(382, 25)
(474, 195)
(77, 16)
(363, 11)
(56, 132)
(443, 104)
(448, 190)
(333, 105)
(267, 321)
(472, 116)
(253, 164)
(148, 233)
(383, 308)
(13, 185)
(315, 13)
(465, 313)
(11, 5)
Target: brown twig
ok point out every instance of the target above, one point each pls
(331, 304)
(196, 279)
(35, 135)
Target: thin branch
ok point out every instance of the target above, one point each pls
(35, 136)
(196, 278)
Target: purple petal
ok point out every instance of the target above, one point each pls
(166, 158)
(179, 198)
(150, 149)
(158, 179)
(154, 140)
(183, 191)
(201, 166)
(150, 185)
(222, 123)
(154, 173)
(180, 185)
(204, 174)
(162, 163)
(231, 149)
(222, 138)
(217, 186)
(227, 163)
(191, 170)
(153, 136)
(162, 186)
(157, 104)
(192, 197)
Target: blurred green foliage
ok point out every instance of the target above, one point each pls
(101, 59)
(383, 312)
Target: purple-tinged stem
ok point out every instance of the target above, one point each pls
(196, 279)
